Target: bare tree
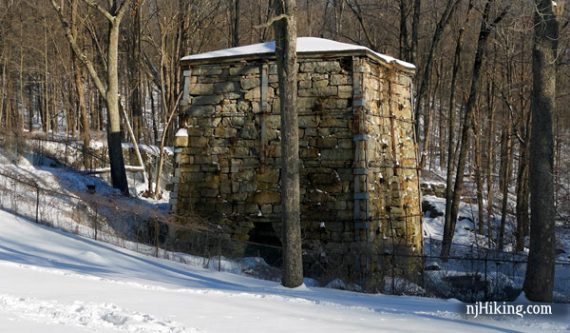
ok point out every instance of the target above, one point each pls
(522, 207)
(286, 54)
(487, 27)
(108, 88)
(539, 279)
(134, 74)
(425, 78)
(490, 158)
(169, 42)
(79, 85)
(506, 171)
(477, 129)
(451, 123)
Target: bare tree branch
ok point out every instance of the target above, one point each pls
(357, 10)
(102, 10)
(123, 8)
(77, 50)
(272, 21)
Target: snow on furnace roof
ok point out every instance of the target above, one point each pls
(304, 45)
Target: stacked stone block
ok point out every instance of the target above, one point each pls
(360, 193)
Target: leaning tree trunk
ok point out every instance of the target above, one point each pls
(484, 33)
(451, 126)
(426, 76)
(286, 54)
(539, 279)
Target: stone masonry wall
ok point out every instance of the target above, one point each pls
(392, 168)
(358, 169)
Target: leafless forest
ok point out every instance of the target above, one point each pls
(82, 68)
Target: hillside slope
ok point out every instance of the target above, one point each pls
(57, 282)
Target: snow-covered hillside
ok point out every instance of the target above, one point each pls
(56, 282)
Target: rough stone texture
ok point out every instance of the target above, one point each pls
(360, 199)
(435, 189)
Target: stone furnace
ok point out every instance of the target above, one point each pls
(359, 177)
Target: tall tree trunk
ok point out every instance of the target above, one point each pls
(442, 134)
(52, 114)
(522, 197)
(525, 130)
(235, 14)
(46, 94)
(153, 114)
(490, 160)
(415, 31)
(286, 54)
(99, 110)
(21, 71)
(9, 108)
(71, 109)
(80, 88)
(171, 113)
(118, 173)
(3, 90)
(428, 121)
(539, 278)
(506, 171)
(134, 72)
(477, 129)
(84, 118)
(30, 102)
(404, 37)
(309, 18)
(451, 128)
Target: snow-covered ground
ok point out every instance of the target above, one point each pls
(504, 271)
(56, 282)
(51, 281)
